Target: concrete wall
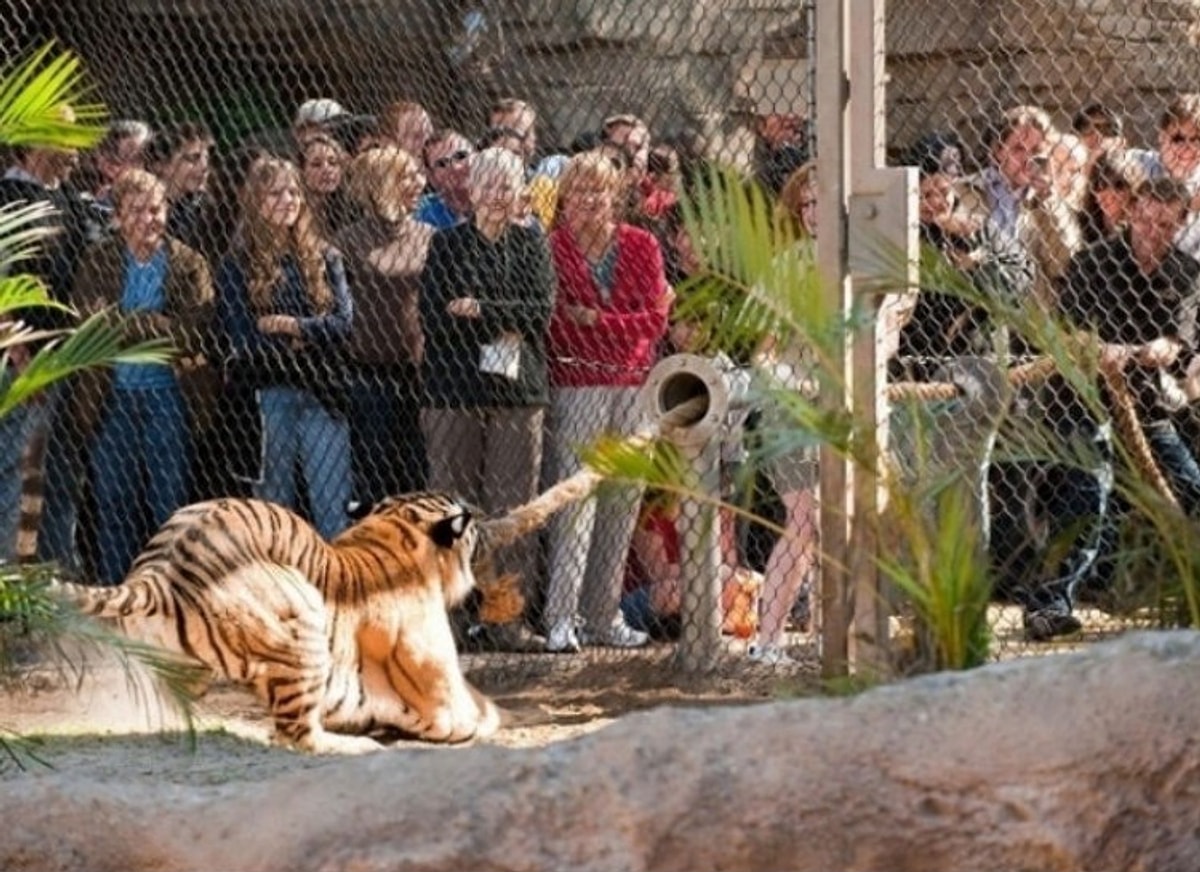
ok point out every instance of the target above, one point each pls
(694, 65)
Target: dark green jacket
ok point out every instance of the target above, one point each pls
(513, 281)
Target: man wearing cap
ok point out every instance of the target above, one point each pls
(315, 117)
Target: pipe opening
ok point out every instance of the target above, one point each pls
(679, 389)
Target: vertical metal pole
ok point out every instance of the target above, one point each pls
(700, 645)
(810, 97)
(868, 617)
(832, 259)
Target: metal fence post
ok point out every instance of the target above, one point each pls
(862, 203)
(882, 211)
(832, 166)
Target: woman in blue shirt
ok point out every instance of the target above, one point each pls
(139, 411)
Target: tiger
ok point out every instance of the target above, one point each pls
(342, 640)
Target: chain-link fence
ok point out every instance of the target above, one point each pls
(503, 183)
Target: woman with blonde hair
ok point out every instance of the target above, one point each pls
(385, 253)
(142, 413)
(798, 199)
(285, 306)
(610, 315)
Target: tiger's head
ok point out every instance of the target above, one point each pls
(436, 528)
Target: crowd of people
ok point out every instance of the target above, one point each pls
(1100, 236)
(387, 305)
(381, 306)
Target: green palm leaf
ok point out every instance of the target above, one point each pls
(97, 342)
(23, 227)
(34, 618)
(759, 278)
(33, 93)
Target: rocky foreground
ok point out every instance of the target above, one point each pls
(1085, 761)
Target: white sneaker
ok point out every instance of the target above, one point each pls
(562, 638)
(770, 655)
(618, 635)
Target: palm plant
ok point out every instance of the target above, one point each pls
(33, 94)
(933, 553)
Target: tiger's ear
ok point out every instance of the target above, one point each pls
(356, 510)
(448, 531)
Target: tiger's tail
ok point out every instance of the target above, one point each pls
(524, 519)
(497, 533)
(121, 601)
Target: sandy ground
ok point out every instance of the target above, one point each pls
(111, 723)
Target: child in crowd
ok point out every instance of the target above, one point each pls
(654, 582)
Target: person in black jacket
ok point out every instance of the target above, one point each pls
(285, 306)
(487, 295)
(1137, 293)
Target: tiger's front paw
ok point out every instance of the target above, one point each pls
(338, 743)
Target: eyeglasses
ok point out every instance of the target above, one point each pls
(1180, 139)
(456, 157)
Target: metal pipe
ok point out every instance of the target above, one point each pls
(689, 399)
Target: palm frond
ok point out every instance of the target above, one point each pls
(33, 94)
(96, 342)
(759, 278)
(24, 291)
(660, 464)
(35, 621)
(660, 467)
(23, 227)
(942, 570)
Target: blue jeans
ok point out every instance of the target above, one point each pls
(63, 469)
(639, 614)
(1177, 463)
(139, 471)
(297, 429)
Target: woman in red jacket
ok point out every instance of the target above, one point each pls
(610, 314)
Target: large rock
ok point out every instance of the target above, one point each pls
(1086, 761)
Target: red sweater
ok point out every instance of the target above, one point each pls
(620, 347)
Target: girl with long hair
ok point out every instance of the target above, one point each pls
(285, 306)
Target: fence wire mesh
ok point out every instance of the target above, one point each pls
(482, 318)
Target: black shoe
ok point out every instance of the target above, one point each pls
(667, 628)
(1042, 625)
(513, 637)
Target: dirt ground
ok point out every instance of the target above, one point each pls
(113, 724)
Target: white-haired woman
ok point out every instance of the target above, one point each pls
(487, 296)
